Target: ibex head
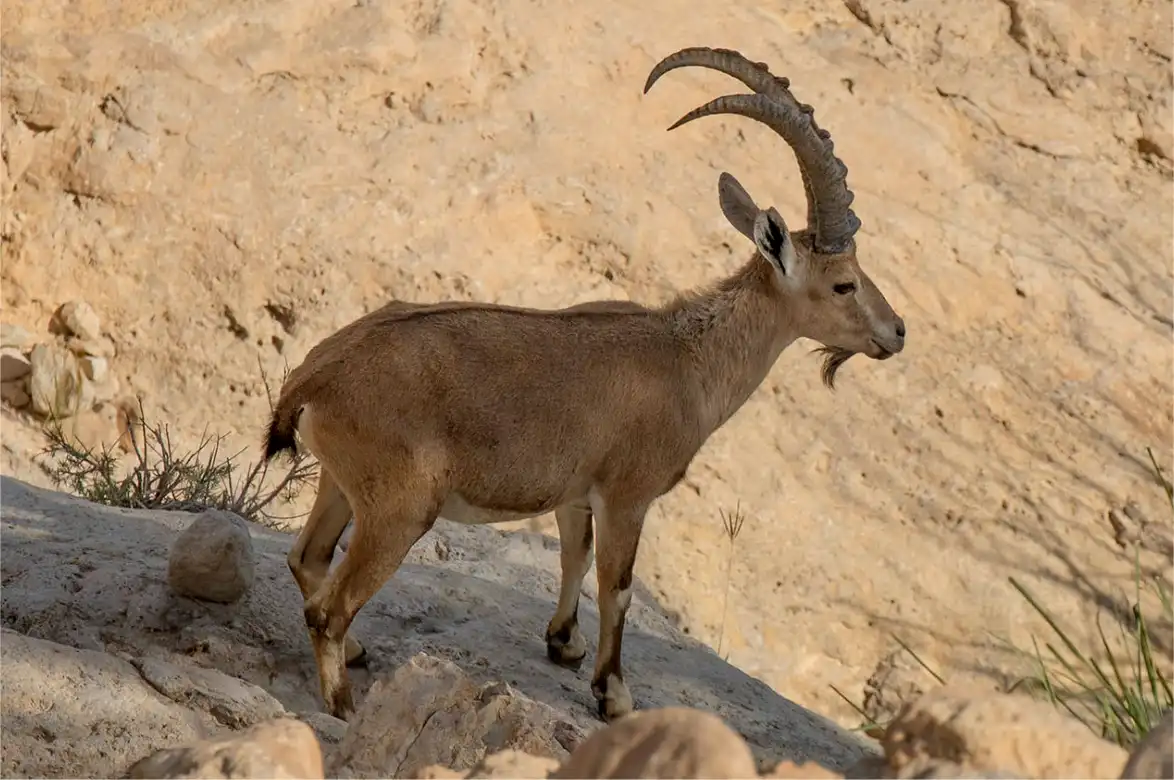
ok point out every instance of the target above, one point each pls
(828, 296)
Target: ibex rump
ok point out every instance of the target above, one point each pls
(486, 413)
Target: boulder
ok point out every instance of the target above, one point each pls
(281, 748)
(670, 742)
(212, 559)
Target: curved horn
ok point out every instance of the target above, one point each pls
(829, 215)
(755, 75)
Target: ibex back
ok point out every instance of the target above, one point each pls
(486, 413)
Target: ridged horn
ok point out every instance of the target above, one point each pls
(829, 214)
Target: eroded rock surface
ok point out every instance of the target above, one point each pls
(96, 577)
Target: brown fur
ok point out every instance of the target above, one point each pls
(592, 412)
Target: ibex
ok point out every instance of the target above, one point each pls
(485, 413)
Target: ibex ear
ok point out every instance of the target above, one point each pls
(774, 241)
(737, 205)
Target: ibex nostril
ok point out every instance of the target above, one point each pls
(901, 329)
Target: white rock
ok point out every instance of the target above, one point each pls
(14, 336)
(212, 559)
(99, 347)
(95, 368)
(13, 365)
(55, 383)
(80, 319)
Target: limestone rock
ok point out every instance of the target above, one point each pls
(78, 713)
(998, 733)
(15, 394)
(505, 764)
(13, 365)
(1153, 756)
(235, 703)
(56, 384)
(100, 346)
(329, 729)
(14, 336)
(213, 558)
(514, 763)
(806, 769)
(431, 712)
(95, 368)
(281, 748)
(79, 319)
(664, 743)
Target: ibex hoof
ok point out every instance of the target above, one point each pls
(566, 647)
(342, 705)
(566, 655)
(613, 699)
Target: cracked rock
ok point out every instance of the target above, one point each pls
(431, 712)
(235, 703)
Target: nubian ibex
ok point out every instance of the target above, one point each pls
(485, 413)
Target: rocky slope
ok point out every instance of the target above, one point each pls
(228, 182)
(97, 579)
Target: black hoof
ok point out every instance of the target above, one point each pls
(555, 653)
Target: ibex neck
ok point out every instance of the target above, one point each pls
(736, 331)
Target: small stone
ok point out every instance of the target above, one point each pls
(55, 382)
(212, 559)
(80, 319)
(280, 748)
(14, 336)
(95, 367)
(15, 394)
(13, 365)
(98, 347)
(1153, 756)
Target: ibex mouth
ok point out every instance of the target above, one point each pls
(882, 352)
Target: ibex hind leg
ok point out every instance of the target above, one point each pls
(310, 556)
(565, 644)
(386, 527)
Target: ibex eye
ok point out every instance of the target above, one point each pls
(844, 288)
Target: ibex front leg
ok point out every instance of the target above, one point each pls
(618, 526)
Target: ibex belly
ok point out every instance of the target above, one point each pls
(458, 510)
